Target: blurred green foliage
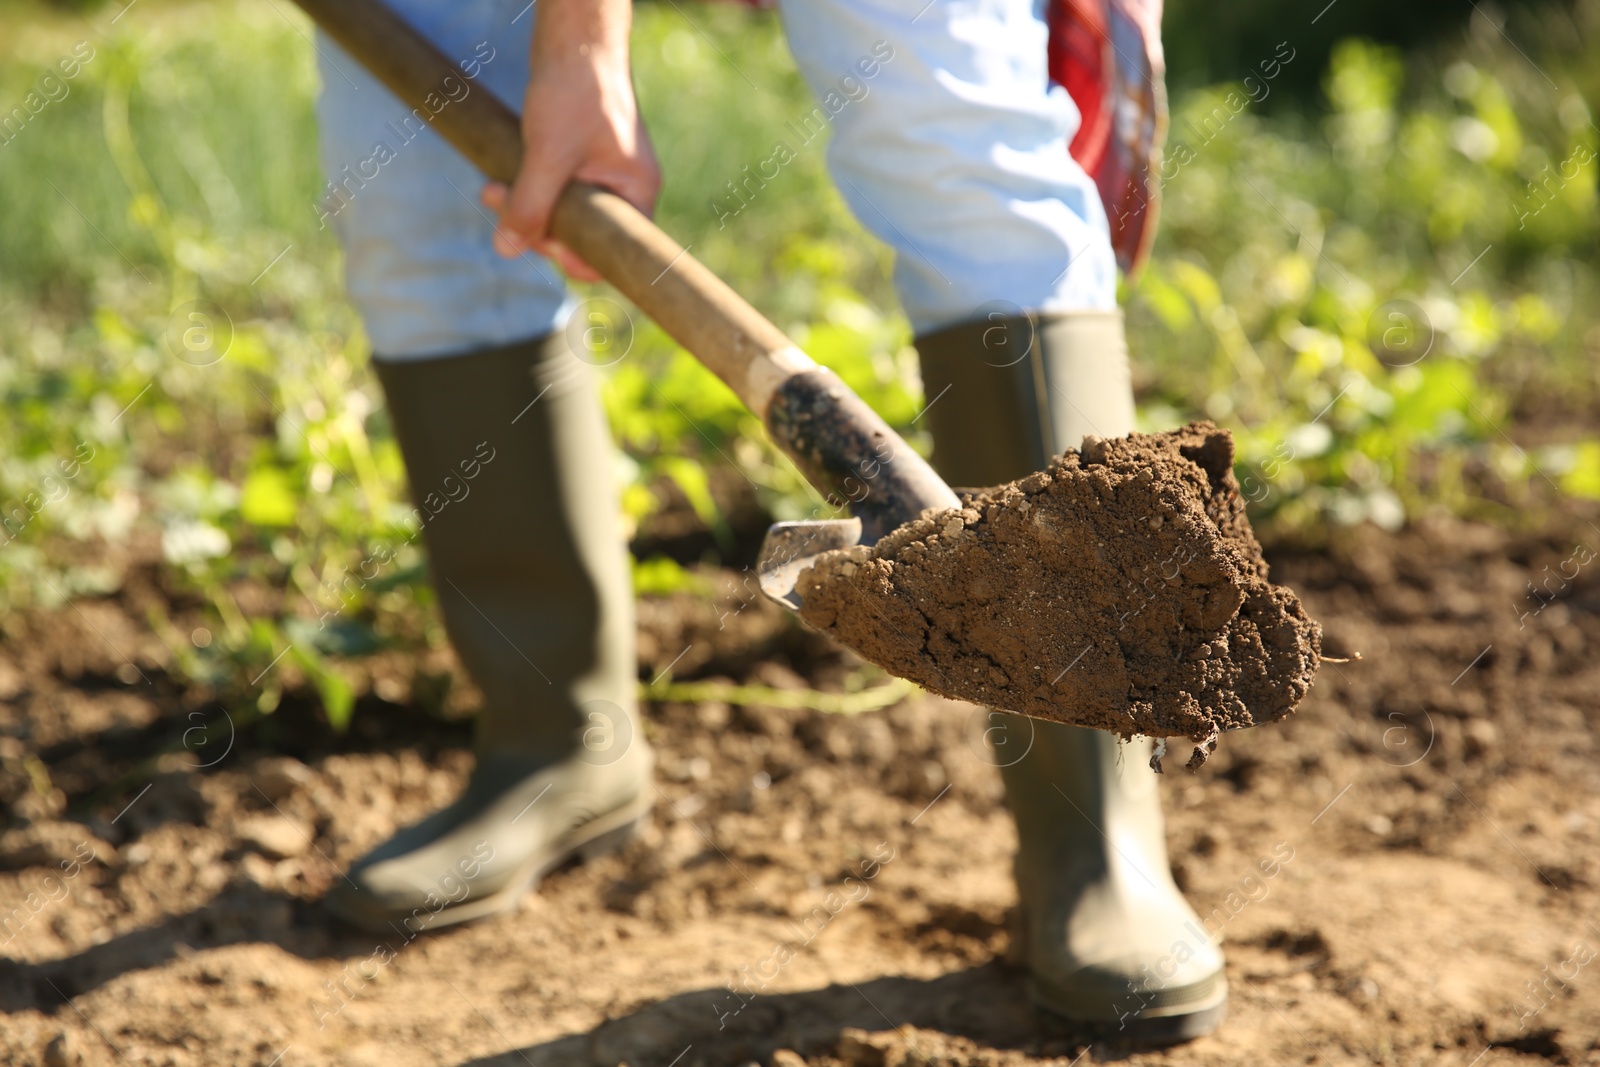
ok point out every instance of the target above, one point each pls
(1207, 43)
(1371, 295)
(1377, 294)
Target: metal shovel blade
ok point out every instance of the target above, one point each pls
(790, 547)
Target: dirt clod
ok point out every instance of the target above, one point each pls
(64, 1050)
(1122, 589)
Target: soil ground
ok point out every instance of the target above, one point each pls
(1440, 798)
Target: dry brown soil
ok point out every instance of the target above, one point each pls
(1121, 588)
(1439, 801)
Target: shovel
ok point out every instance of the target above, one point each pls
(1210, 646)
(840, 444)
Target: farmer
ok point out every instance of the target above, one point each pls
(951, 143)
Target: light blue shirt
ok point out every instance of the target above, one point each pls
(947, 140)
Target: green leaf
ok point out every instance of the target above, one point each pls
(692, 479)
(335, 637)
(268, 498)
(660, 575)
(338, 698)
(1166, 300)
(1583, 479)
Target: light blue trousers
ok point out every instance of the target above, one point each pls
(948, 142)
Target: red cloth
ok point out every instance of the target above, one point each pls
(1107, 55)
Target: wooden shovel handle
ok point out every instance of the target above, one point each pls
(841, 445)
(699, 310)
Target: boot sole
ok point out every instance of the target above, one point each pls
(598, 837)
(1146, 1031)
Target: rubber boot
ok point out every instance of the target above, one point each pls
(510, 465)
(1112, 946)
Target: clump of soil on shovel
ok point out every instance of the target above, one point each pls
(1122, 589)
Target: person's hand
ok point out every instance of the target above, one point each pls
(580, 122)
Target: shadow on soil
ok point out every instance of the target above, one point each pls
(237, 915)
(988, 1004)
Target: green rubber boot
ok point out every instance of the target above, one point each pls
(510, 464)
(1112, 946)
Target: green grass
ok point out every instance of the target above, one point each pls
(1290, 245)
(182, 160)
